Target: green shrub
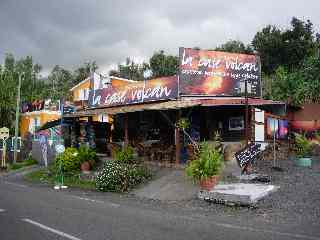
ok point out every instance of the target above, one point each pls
(302, 146)
(70, 160)
(208, 163)
(125, 155)
(138, 174)
(117, 177)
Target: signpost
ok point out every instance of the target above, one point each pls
(4, 135)
(59, 150)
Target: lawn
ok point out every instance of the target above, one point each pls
(71, 180)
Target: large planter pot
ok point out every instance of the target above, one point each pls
(304, 162)
(85, 166)
(209, 183)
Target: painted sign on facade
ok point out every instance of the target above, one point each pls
(217, 73)
(120, 92)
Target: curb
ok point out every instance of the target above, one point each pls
(21, 171)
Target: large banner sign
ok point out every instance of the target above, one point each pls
(122, 92)
(218, 73)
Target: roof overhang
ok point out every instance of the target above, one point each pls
(175, 104)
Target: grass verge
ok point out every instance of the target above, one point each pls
(25, 163)
(44, 176)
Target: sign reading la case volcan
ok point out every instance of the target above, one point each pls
(217, 73)
(123, 92)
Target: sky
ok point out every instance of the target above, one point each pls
(72, 32)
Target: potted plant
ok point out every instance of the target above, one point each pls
(206, 167)
(87, 158)
(302, 147)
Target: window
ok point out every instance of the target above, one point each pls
(84, 94)
(236, 123)
(34, 124)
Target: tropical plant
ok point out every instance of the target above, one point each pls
(302, 146)
(125, 155)
(217, 142)
(87, 154)
(69, 160)
(207, 164)
(183, 123)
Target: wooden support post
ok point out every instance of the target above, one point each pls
(177, 138)
(246, 113)
(126, 129)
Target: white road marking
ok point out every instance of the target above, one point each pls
(293, 235)
(2, 210)
(251, 229)
(50, 229)
(98, 201)
(16, 184)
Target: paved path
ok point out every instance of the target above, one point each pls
(38, 212)
(172, 186)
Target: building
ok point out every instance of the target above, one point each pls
(214, 91)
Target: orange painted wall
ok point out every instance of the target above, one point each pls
(76, 91)
(45, 116)
(24, 125)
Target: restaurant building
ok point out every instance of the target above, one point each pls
(213, 92)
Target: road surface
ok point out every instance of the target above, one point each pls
(29, 211)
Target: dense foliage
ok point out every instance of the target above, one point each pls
(125, 155)
(288, 47)
(300, 86)
(302, 145)
(34, 86)
(118, 177)
(72, 158)
(87, 154)
(159, 65)
(69, 160)
(235, 46)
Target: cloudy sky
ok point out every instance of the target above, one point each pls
(70, 32)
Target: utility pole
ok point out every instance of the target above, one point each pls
(16, 128)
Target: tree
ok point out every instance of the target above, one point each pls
(130, 70)
(84, 71)
(31, 86)
(268, 43)
(7, 92)
(235, 46)
(60, 81)
(286, 48)
(299, 86)
(163, 65)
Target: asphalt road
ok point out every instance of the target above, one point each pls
(37, 212)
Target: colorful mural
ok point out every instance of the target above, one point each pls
(218, 73)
